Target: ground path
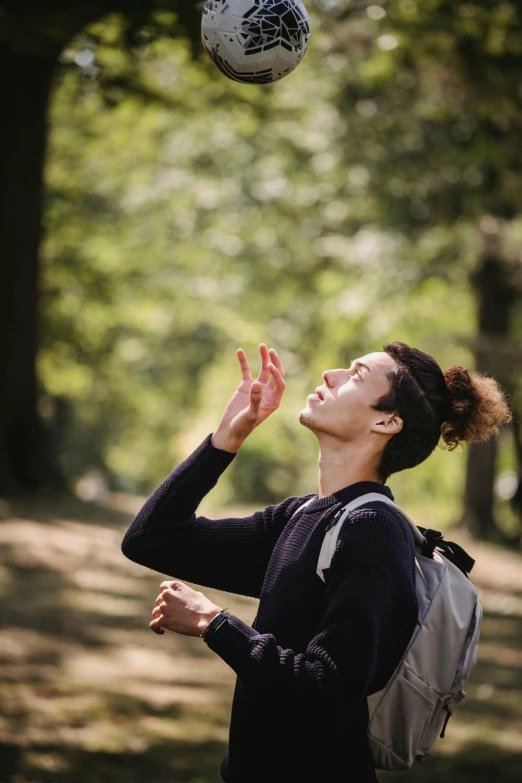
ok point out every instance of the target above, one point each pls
(89, 694)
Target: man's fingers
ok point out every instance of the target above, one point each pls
(256, 392)
(155, 625)
(277, 361)
(277, 379)
(264, 372)
(245, 367)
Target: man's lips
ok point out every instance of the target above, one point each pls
(317, 395)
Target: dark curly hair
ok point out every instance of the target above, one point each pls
(456, 405)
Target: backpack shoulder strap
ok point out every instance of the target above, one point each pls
(372, 497)
(300, 508)
(333, 529)
(427, 540)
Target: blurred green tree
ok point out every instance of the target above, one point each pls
(333, 211)
(32, 36)
(243, 221)
(433, 102)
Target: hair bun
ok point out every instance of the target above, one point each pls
(476, 407)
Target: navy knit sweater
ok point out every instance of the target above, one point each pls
(314, 651)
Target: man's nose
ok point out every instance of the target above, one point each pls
(330, 377)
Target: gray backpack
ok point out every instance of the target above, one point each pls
(412, 710)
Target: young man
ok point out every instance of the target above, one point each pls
(315, 651)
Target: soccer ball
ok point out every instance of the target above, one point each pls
(255, 41)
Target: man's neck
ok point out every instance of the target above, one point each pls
(343, 464)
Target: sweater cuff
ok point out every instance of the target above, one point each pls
(232, 641)
(208, 462)
(219, 456)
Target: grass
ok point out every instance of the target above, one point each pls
(89, 695)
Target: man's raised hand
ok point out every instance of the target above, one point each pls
(253, 402)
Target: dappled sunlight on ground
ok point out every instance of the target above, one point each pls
(82, 673)
(90, 695)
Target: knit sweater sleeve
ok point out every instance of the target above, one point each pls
(227, 554)
(370, 603)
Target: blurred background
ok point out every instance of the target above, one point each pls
(155, 216)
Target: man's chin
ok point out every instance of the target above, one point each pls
(305, 418)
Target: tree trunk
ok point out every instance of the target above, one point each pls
(25, 83)
(516, 500)
(478, 514)
(496, 295)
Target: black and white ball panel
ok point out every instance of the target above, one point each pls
(255, 41)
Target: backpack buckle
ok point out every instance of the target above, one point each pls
(432, 539)
(333, 521)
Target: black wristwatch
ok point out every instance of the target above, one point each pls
(215, 623)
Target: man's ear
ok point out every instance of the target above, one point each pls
(390, 424)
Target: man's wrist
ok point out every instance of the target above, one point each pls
(205, 619)
(215, 623)
(223, 440)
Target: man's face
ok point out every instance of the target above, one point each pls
(341, 406)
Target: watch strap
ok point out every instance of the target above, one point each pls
(216, 622)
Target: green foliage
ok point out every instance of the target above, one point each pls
(188, 215)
